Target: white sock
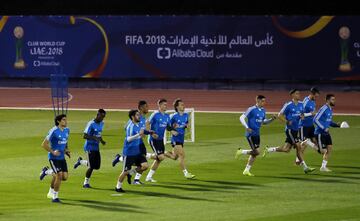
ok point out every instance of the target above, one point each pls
(86, 181)
(304, 164)
(55, 195)
(185, 172)
(297, 159)
(311, 144)
(49, 172)
(245, 152)
(121, 159)
(248, 167)
(150, 174)
(84, 162)
(118, 185)
(148, 156)
(51, 190)
(137, 176)
(324, 162)
(271, 149)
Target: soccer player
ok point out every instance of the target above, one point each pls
(132, 153)
(323, 120)
(307, 128)
(93, 137)
(256, 116)
(159, 122)
(291, 113)
(55, 143)
(179, 121)
(143, 110)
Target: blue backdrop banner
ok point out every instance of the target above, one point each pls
(181, 47)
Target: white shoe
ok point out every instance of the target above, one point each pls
(50, 195)
(325, 169)
(121, 159)
(150, 180)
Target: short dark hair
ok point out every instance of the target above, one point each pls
(259, 97)
(293, 91)
(162, 100)
(141, 103)
(329, 96)
(58, 118)
(314, 90)
(176, 103)
(132, 113)
(101, 111)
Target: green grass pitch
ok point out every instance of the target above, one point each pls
(279, 191)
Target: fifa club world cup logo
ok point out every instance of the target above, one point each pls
(19, 34)
(344, 33)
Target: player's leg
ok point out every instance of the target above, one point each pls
(142, 165)
(179, 152)
(128, 161)
(241, 151)
(327, 149)
(159, 149)
(143, 153)
(57, 183)
(254, 142)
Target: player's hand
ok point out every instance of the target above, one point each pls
(155, 136)
(249, 130)
(302, 116)
(102, 141)
(175, 125)
(142, 133)
(274, 116)
(68, 153)
(289, 122)
(313, 113)
(327, 130)
(174, 133)
(55, 153)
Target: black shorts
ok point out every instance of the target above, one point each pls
(58, 165)
(157, 146)
(129, 161)
(94, 159)
(254, 142)
(307, 132)
(174, 143)
(142, 148)
(324, 140)
(292, 136)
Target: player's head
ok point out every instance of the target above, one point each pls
(314, 93)
(60, 120)
(330, 99)
(295, 94)
(143, 107)
(100, 115)
(162, 103)
(179, 105)
(260, 100)
(134, 115)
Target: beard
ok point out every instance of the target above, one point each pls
(332, 104)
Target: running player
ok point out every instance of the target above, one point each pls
(291, 113)
(323, 120)
(256, 117)
(55, 143)
(92, 134)
(132, 153)
(179, 122)
(159, 122)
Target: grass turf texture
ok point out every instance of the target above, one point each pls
(279, 191)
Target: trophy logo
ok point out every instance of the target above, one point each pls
(19, 34)
(344, 33)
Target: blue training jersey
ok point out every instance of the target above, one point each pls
(132, 148)
(292, 113)
(323, 119)
(93, 129)
(255, 116)
(142, 124)
(58, 141)
(181, 121)
(309, 107)
(158, 123)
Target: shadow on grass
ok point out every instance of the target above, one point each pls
(216, 186)
(231, 183)
(346, 167)
(167, 195)
(308, 179)
(104, 206)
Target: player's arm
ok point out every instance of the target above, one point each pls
(131, 135)
(243, 122)
(281, 115)
(318, 123)
(269, 120)
(90, 137)
(46, 145)
(333, 124)
(67, 151)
